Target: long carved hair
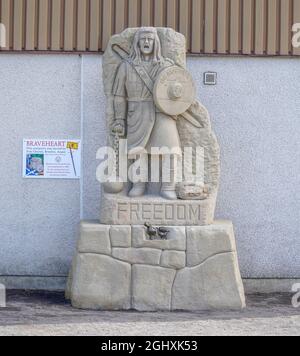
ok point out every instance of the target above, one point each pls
(135, 54)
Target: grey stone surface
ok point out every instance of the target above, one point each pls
(215, 284)
(94, 238)
(151, 288)
(176, 239)
(269, 286)
(120, 236)
(92, 286)
(251, 286)
(34, 283)
(145, 256)
(173, 259)
(207, 241)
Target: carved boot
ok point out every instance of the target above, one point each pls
(137, 190)
(168, 191)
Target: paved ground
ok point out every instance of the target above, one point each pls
(49, 314)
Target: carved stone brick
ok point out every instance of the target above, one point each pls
(94, 238)
(152, 288)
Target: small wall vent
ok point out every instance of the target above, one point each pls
(210, 78)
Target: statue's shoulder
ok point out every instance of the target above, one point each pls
(122, 68)
(167, 63)
(127, 65)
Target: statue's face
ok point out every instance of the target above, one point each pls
(146, 43)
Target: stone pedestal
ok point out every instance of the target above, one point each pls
(120, 268)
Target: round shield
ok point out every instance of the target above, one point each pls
(174, 91)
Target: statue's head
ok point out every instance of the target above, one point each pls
(146, 42)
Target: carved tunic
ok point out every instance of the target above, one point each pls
(146, 126)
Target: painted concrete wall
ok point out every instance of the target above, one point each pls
(255, 112)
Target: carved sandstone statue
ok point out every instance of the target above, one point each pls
(157, 246)
(151, 102)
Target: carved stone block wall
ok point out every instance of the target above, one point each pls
(121, 268)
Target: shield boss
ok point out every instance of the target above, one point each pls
(174, 91)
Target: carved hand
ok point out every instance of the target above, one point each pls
(119, 128)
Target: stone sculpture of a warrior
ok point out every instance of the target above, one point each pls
(147, 126)
(152, 104)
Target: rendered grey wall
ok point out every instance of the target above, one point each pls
(255, 112)
(39, 98)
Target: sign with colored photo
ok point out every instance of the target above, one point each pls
(57, 159)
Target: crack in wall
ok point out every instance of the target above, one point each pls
(208, 258)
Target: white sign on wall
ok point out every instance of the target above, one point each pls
(57, 159)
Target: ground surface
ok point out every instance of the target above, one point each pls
(43, 313)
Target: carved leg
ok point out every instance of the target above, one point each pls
(137, 190)
(168, 189)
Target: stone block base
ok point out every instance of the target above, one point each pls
(120, 268)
